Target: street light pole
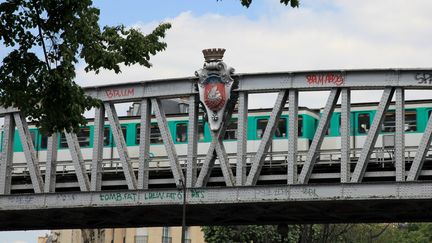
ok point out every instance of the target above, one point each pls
(183, 236)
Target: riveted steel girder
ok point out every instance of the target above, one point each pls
(98, 144)
(7, 154)
(318, 137)
(121, 145)
(29, 152)
(191, 170)
(241, 138)
(345, 135)
(267, 138)
(168, 142)
(372, 136)
(400, 134)
(78, 161)
(421, 153)
(51, 163)
(292, 136)
(144, 152)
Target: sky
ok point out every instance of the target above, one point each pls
(269, 37)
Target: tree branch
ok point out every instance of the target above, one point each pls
(38, 21)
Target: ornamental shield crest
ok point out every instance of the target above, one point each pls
(215, 85)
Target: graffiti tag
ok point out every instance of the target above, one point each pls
(114, 93)
(325, 79)
(197, 193)
(126, 196)
(310, 192)
(165, 196)
(423, 78)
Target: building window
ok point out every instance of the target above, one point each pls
(181, 132)
(141, 239)
(166, 235)
(363, 123)
(231, 131)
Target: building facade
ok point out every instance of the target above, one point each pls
(125, 235)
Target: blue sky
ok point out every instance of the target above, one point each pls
(321, 34)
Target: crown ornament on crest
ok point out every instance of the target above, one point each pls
(215, 86)
(213, 54)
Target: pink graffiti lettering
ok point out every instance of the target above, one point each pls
(325, 78)
(114, 93)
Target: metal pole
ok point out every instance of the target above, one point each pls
(183, 236)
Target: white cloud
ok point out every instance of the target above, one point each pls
(337, 34)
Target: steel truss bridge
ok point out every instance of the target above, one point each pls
(224, 188)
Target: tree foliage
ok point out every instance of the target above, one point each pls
(46, 38)
(293, 3)
(322, 233)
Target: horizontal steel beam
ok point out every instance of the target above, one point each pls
(334, 202)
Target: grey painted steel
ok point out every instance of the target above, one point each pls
(98, 144)
(267, 138)
(372, 136)
(144, 149)
(319, 135)
(292, 136)
(78, 161)
(121, 145)
(400, 135)
(210, 158)
(241, 138)
(191, 170)
(168, 142)
(51, 163)
(422, 151)
(220, 195)
(7, 154)
(303, 80)
(223, 160)
(345, 135)
(29, 152)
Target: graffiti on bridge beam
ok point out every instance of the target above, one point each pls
(324, 79)
(172, 196)
(117, 93)
(118, 197)
(423, 78)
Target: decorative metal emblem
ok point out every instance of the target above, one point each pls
(215, 85)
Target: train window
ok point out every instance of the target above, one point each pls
(411, 121)
(106, 138)
(63, 142)
(363, 123)
(181, 132)
(389, 123)
(261, 126)
(155, 134)
(300, 126)
(44, 142)
(201, 131)
(84, 137)
(281, 129)
(231, 131)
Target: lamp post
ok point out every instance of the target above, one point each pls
(183, 187)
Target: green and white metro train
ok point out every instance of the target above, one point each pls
(362, 115)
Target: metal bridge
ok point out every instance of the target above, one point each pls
(223, 188)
